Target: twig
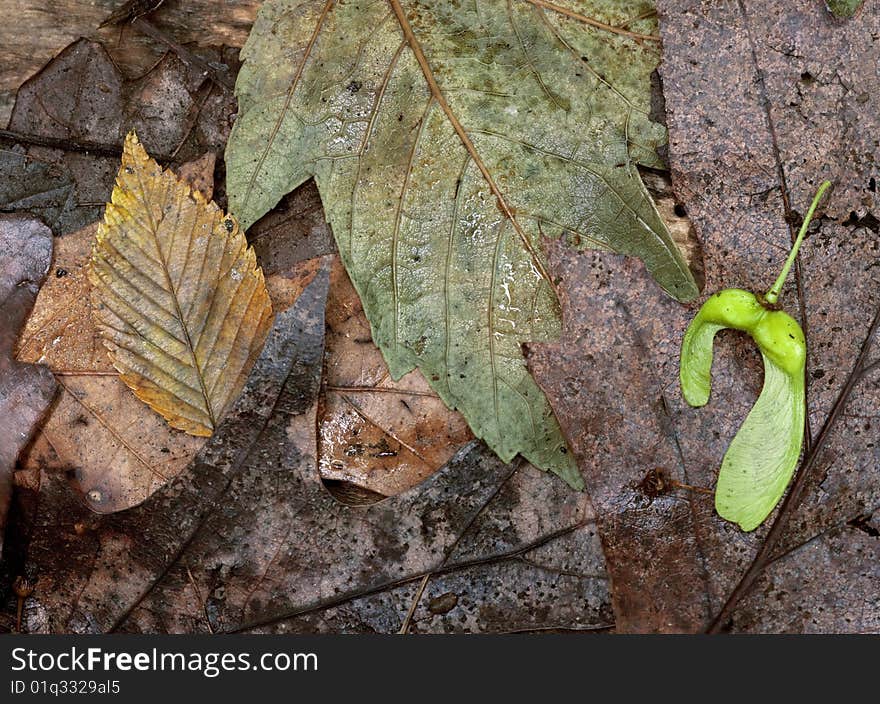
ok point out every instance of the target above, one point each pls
(72, 145)
(765, 553)
(641, 16)
(67, 145)
(23, 588)
(691, 487)
(412, 607)
(447, 555)
(208, 69)
(447, 568)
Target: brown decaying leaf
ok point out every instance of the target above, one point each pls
(600, 382)
(178, 297)
(39, 33)
(115, 451)
(358, 452)
(25, 389)
(380, 434)
(81, 96)
(728, 93)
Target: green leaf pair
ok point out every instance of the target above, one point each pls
(762, 457)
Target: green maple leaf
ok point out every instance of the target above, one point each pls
(446, 138)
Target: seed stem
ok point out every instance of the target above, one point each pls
(773, 294)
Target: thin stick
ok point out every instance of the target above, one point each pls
(67, 145)
(185, 55)
(412, 607)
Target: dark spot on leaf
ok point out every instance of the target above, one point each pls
(443, 604)
(863, 523)
(655, 483)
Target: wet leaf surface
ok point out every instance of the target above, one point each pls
(777, 95)
(50, 28)
(38, 187)
(512, 550)
(600, 380)
(444, 141)
(232, 546)
(82, 97)
(25, 389)
(381, 434)
(745, 205)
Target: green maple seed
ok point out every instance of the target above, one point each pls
(762, 457)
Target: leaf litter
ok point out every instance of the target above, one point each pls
(84, 102)
(97, 433)
(741, 217)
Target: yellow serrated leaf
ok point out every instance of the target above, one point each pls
(177, 295)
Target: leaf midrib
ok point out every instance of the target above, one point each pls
(154, 228)
(469, 146)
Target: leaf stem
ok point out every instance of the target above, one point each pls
(772, 295)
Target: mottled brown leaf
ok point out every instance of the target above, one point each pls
(82, 97)
(601, 383)
(780, 96)
(41, 31)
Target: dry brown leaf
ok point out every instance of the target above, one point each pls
(115, 451)
(179, 300)
(381, 434)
